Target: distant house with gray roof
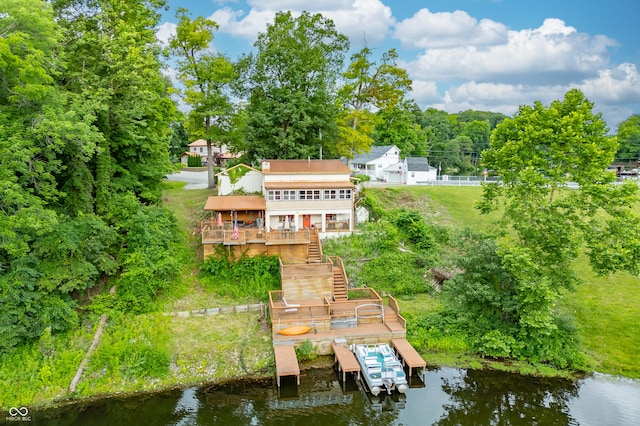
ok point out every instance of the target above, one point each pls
(375, 161)
(417, 170)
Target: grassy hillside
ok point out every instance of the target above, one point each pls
(606, 309)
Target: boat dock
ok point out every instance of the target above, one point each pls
(347, 362)
(286, 362)
(408, 355)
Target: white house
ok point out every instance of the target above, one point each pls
(308, 194)
(394, 173)
(221, 154)
(417, 170)
(373, 163)
(239, 177)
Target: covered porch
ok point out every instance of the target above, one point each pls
(225, 212)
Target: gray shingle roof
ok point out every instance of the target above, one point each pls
(417, 164)
(375, 153)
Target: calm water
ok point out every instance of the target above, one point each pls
(448, 397)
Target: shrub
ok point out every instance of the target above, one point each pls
(245, 278)
(307, 351)
(194, 161)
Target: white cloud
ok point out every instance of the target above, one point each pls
(237, 23)
(485, 66)
(164, 32)
(613, 92)
(359, 20)
(552, 52)
(615, 85)
(364, 22)
(448, 29)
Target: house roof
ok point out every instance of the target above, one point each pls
(417, 164)
(190, 154)
(199, 142)
(308, 185)
(235, 202)
(306, 167)
(375, 153)
(394, 167)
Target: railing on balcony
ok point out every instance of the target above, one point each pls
(244, 236)
(288, 237)
(337, 226)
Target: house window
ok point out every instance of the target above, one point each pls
(331, 217)
(283, 218)
(309, 194)
(330, 194)
(274, 195)
(288, 195)
(344, 194)
(200, 149)
(413, 174)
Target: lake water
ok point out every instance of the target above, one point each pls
(447, 397)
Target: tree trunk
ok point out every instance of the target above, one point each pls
(211, 178)
(353, 126)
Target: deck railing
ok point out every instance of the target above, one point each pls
(291, 270)
(253, 235)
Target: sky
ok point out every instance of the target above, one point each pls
(489, 55)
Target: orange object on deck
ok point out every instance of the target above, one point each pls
(295, 330)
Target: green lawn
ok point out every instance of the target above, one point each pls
(606, 309)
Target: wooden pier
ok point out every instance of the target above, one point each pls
(346, 360)
(286, 362)
(408, 355)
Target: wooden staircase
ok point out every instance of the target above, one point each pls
(339, 284)
(315, 251)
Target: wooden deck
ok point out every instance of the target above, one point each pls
(408, 354)
(286, 362)
(322, 340)
(347, 362)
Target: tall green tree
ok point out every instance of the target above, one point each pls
(367, 84)
(290, 85)
(538, 154)
(208, 78)
(629, 139)
(115, 69)
(398, 126)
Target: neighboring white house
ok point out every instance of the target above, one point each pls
(394, 173)
(221, 154)
(239, 177)
(308, 193)
(417, 170)
(373, 163)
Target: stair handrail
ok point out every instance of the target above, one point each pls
(315, 232)
(378, 305)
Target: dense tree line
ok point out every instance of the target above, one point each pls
(84, 146)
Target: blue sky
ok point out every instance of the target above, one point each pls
(490, 55)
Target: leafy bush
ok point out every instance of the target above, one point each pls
(306, 351)
(245, 278)
(150, 259)
(363, 178)
(396, 273)
(134, 347)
